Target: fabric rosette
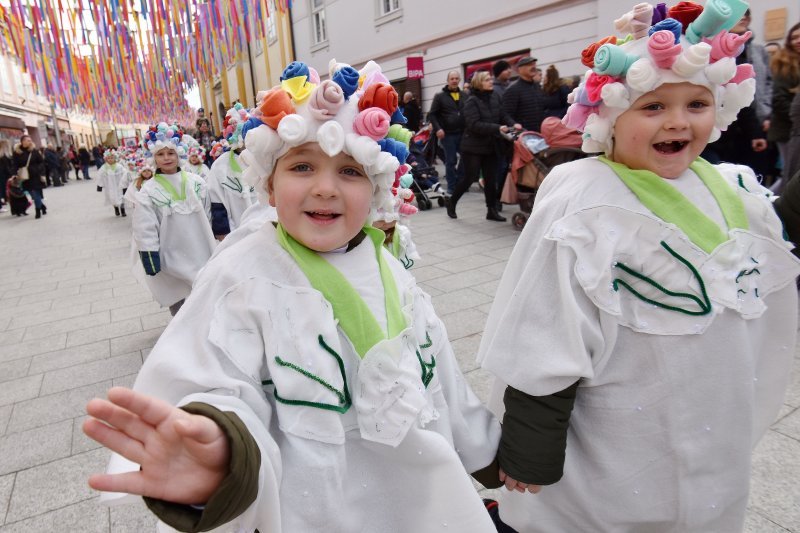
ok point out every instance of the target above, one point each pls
(692, 60)
(615, 95)
(670, 25)
(726, 44)
(372, 122)
(685, 12)
(721, 71)
(587, 55)
(326, 100)
(293, 129)
(330, 137)
(594, 86)
(294, 69)
(637, 21)
(663, 48)
(380, 95)
(642, 76)
(275, 105)
(612, 60)
(298, 88)
(347, 78)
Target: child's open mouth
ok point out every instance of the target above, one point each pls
(322, 216)
(670, 147)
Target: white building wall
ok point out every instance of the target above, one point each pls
(452, 33)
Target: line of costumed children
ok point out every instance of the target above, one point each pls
(230, 196)
(171, 219)
(111, 179)
(646, 322)
(317, 387)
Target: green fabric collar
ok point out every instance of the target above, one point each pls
(235, 166)
(164, 182)
(349, 308)
(668, 204)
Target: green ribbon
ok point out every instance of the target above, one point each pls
(161, 180)
(353, 314)
(668, 204)
(235, 166)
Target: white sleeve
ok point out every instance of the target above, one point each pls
(145, 224)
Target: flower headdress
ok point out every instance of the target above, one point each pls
(163, 136)
(685, 43)
(350, 112)
(111, 153)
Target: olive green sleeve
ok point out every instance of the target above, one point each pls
(534, 437)
(238, 490)
(489, 476)
(788, 209)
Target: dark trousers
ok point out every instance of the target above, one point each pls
(85, 169)
(453, 169)
(37, 196)
(474, 166)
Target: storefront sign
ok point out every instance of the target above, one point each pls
(415, 68)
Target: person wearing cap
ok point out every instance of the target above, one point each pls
(171, 221)
(524, 100)
(317, 388)
(110, 180)
(412, 112)
(447, 120)
(502, 77)
(642, 331)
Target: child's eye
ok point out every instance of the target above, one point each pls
(301, 167)
(699, 104)
(351, 171)
(652, 107)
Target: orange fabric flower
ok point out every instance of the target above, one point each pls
(587, 56)
(276, 104)
(380, 95)
(685, 13)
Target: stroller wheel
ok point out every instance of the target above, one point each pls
(440, 201)
(519, 219)
(423, 204)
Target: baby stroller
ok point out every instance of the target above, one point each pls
(535, 154)
(426, 185)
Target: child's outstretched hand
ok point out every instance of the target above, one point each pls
(512, 484)
(183, 457)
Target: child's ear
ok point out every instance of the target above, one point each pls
(270, 189)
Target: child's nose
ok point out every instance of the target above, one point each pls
(325, 185)
(677, 119)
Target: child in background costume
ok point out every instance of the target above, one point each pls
(320, 380)
(171, 220)
(651, 295)
(110, 180)
(230, 197)
(195, 164)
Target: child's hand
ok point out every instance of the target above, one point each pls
(513, 484)
(183, 457)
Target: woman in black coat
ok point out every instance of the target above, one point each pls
(26, 154)
(482, 144)
(6, 170)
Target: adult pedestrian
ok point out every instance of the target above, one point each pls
(6, 171)
(411, 111)
(84, 159)
(74, 160)
(555, 94)
(524, 99)
(502, 77)
(447, 121)
(482, 143)
(791, 166)
(97, 155)
(52, 165)
(27, 155)
(785, 66)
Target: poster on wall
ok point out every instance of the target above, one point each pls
(130, 142)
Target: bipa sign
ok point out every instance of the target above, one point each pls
(415, 68)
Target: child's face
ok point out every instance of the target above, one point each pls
(167, 160)
(194, 159)
(322, 201)
(665, 130)
(111, 160)
(146, 174)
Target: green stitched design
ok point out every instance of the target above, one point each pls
(704, 304)
(174, 194)
(407, 262)
(746, 272)
(343, 395)
(427, 369)
(163, 201)
(741, 183)
(197, 187)
(267, 382)
(237, 185)
(428, 341)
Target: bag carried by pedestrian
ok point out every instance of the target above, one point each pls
(22, 173)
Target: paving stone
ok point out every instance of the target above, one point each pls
(67, 326)
(84, 279)
(463, 280)
(789, 425)
(24, 309)
(6, 484)
(128, 290)
(26, 449)
(132, 518)
(92, 372)
(11, 337)
(20, 389)
(464, 323)
(42, 286)
(425, 273)
(481, 382)
(466, 349)
(107, 331)
(69, 357)
(137, 341)
(5, 416)
(80, 442)
(50, 315)
(158, 320)
(464, 264)
(87, 516)
(450, 302)
(776, 469)
(53, 408)
(14, 369)
(34, 347)
(116, 303)
(4, 323)
(125, 381)
(489, 288)
(93, 286)
(132, 311)
(58, 276)
(51, 295)
(88, 297)
(755, 523)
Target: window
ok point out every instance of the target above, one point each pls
(320, 31)
(389, 6)
(272, 34)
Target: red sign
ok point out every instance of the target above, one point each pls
(415, 68)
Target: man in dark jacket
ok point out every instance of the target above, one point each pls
(524, 99)
(411, 111)
(52, 163)
(448, 125)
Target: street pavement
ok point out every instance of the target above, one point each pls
(74, 322)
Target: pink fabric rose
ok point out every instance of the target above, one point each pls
(726, 44)
(663, 49)
(326, 100)
(373, 122)
(576, 116)
(594, 85)
(743, 72)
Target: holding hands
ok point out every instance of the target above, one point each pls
(183, 457)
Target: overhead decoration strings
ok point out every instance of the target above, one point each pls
(128, 61)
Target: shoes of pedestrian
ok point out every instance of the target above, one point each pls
(116, 211)
(499, 206)
(122, 211)
(38, 213)
(44, 209)
(492, 214)
(451, 208)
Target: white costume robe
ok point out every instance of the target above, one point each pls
(201, 169)
(226, 187)
(395, 460)
(111, 179)
(179, 230)
(670, 404)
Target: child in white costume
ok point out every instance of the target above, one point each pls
(111, 180)
(338, 401)
(171, 221)
(651, 294)
(195, 161)
(230, 196)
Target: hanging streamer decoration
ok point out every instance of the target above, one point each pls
(128, 60)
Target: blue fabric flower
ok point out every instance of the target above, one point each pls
(251, 123)
(347, 79)
(398, 117)
(395, 148)
(670, 25)
(294, 69)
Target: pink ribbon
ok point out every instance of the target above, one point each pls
(663, 49)
(373, 122)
